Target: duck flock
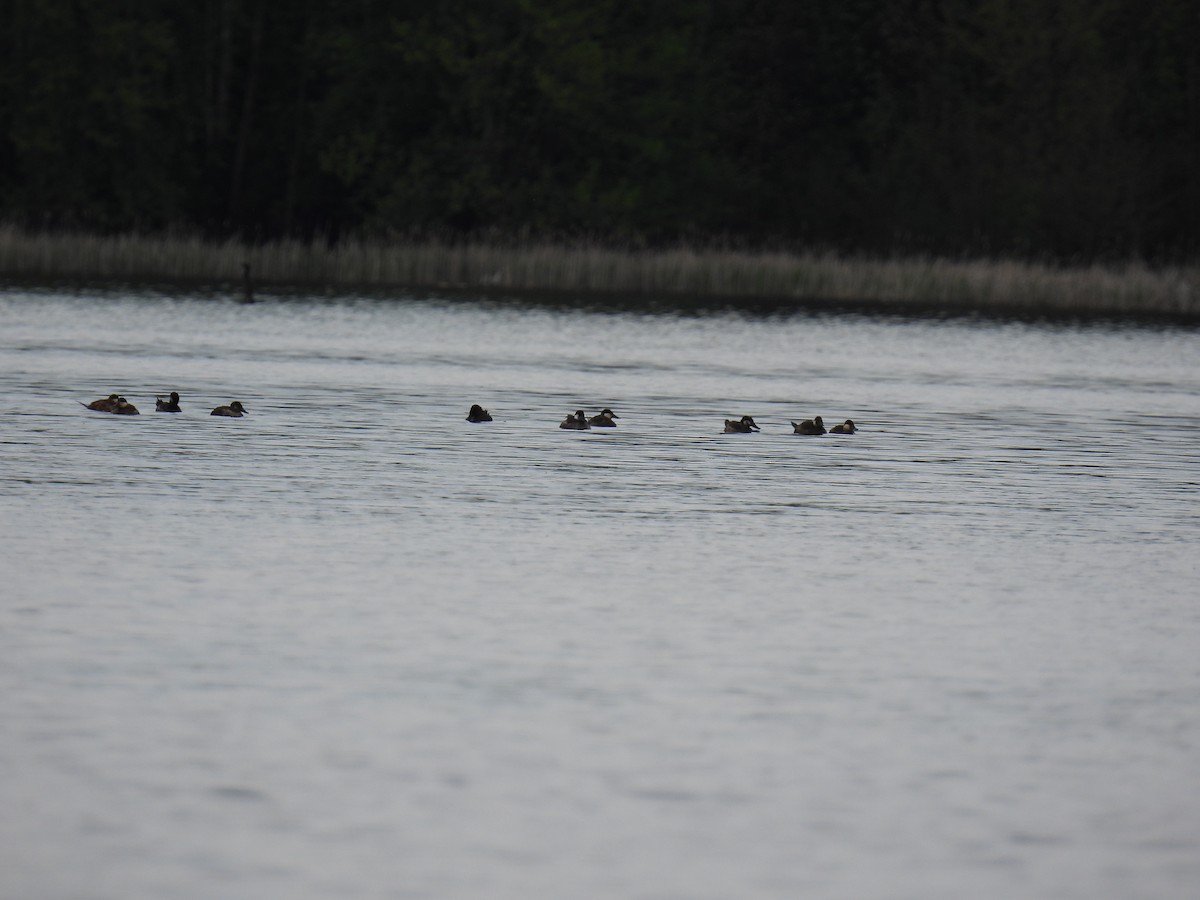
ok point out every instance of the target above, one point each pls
(119, 406)
(577, 421)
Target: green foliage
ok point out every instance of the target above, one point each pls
(1067, 127)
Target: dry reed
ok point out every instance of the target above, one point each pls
(682, 272)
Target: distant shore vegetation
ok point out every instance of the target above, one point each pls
(593, 268)
(928, 129)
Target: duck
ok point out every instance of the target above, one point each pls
(846, 427)
(579, 421)
(478, 414)
(744, 425)
(169, 404)
(104, 404)
(124, 408)
(234, 409)
(604, 419)
(809, 426)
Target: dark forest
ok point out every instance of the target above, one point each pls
(1054, 129)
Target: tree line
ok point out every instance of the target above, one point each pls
(1049, 128)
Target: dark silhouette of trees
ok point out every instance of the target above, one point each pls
(1050, 128)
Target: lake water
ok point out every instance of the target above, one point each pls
(352, 646)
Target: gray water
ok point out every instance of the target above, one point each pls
(351, 646)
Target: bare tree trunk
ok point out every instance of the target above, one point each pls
(225, 66)
(302, 73)
(246, 125)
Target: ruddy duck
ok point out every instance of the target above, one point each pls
(106, 404)
(604, 419)
(744, 425)
(170, 404)
(124, 408)
(234, 409)
(579, 421)
(478, 414)
(809, 426)
(846, 427)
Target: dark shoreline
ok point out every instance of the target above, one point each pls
(677, 280)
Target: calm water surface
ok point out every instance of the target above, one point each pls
(351, 646)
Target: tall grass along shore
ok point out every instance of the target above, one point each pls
(985, 285)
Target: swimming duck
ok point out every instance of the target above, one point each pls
(579, 421)
(846, 427)
(809, 426)
(105, 404)
(234, 409)
(478, 414)
(604, 419)
(170, 404)
(124, 408)
(744, 425)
